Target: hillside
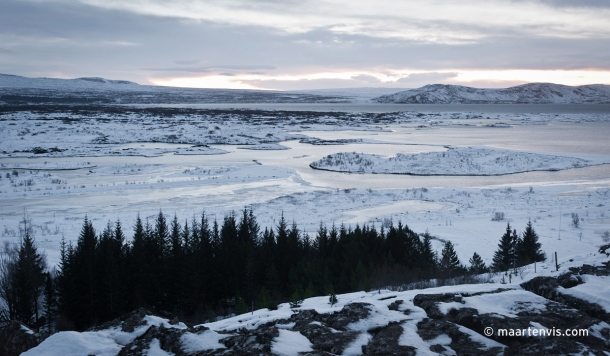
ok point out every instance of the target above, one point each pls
(533, 93)
(537, 308)
(18, 90)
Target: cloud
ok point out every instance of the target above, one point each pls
(363, 44)
(366, 78)
(578, 4)
(179, 69)
(442, 21)
(303, 84)
(426, 78)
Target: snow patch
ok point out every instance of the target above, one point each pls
(207, 340)
(290, 343)
(72, 343)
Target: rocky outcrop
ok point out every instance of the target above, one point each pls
(548, 287)
(554, 315)
(16, 338)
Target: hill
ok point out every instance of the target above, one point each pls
(537, 311)
(533, 93)
(20, 90)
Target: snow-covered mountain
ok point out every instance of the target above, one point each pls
(535, 310)
(533, 93)
(17, 89)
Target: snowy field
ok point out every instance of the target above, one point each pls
(59, 166)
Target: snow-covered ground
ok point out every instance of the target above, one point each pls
(459, 161)
(224, 160)
(60, 166)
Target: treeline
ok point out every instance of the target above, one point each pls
(200, 268)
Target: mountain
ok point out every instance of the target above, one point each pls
(533, 93)
(22, 90)
(356, 95)
(531, 311)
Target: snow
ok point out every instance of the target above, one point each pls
(207, 340)
(595, 330)
(49, 166)
(265, 146)
(355, 347)
(106, 342)
(156, 350)
(290, 343)
(455, 161)
(476, 337)
(508, 303)
(122, 185)
(526, 93)
(71, 343)
(596, 289)
(27, 330)
(410, 337)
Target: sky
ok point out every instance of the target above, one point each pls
(309, 44)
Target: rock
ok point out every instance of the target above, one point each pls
(569, 280)
(461, 342)
(249, 342)
(385, 342)
(547, 287)
(127, 322)
(169, 340)
(16, 338)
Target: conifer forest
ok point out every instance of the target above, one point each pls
(201, 269)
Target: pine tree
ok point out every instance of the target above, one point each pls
(516, 248)
(29, 278)
(503, 257)
(50, 301)
(449, 263)
(332, 297)
(477, 266)
(530, 249)
(85, 268)
(428, 259)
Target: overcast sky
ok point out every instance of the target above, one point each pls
(309, 44)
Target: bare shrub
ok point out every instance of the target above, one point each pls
(606, 236)
(575, 220)
(498, 216)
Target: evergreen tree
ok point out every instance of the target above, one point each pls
(449, 264)
(530, 249)
(30, 278)
(332, 297)
(86, 267)
(504, 256)
(50, 301)
(477, 266)
(428, 259)
(516, 248)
